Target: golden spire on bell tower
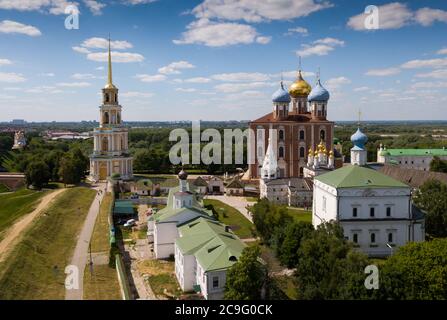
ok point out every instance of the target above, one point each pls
(109, 84)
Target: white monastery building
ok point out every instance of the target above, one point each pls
(418, 159)
(375, 210)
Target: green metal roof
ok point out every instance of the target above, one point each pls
(213, 246)
(417, 152)
(123, 207)
(353, 176)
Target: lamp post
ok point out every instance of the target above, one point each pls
(391, 247)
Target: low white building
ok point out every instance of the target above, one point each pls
(181, 208)
(375, 210)
(204, 251)
(419, 159)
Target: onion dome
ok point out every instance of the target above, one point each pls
(310, 153)
(331, 154)
(359, 139)
(300, 87)
(318, 93)
(281, 95)
(321, 147)
(182, 175)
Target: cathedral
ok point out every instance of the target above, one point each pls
(298, 134)
(110, 141)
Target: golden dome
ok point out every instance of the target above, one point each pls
(300, 87)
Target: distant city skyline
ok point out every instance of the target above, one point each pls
(213, 60)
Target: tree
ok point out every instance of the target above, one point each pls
(68, 172)
(80, 161)
(432, 199)
(37, 174)
(246, 277)
(328, 267)
(287, 249)
(417, 270)
(267, 217)
(438, 165)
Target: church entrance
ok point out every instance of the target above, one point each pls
(102, 170)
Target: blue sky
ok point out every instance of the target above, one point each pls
(221, 60)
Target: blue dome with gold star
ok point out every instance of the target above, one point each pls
(318, 93)
(281, 95)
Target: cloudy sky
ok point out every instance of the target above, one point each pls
(221, 60)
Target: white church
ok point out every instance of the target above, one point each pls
(375, 210)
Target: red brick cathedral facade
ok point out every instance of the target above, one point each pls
(299, 130)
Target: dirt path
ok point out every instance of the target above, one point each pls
(13, 234)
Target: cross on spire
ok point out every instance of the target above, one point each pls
(318, 74)
(360, 117)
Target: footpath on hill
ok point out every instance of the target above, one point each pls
(14, 233)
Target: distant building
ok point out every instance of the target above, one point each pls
(19, 140)
(418, 159)
(375, 210)
(235, 187)
(18, 122)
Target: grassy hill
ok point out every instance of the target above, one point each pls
(35, 268)
(16, 204)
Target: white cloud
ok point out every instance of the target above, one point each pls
(336, 83)
(187, 90)
(136, 94)
(175, 67)
(429, 63)
(74, 84)
(257, 11)
(198, 80)
(94, 6)
(302, 31)
(429, 85)
(383, 72)
(81, 50)
(83, 76)
(151, 78)
(320, 47)
(237, 87)
(51, 6)
(360, 89)
(241, 77)
(8, 26)
(214, 34)
(102, 43)
(47, 74)
(397, 15)
(11, 77)
(117, 57)
(435, 74)
(100, 68)
(135, 2)
(5, 62)
(427, 16)
(44, 89)
(442, 51)
(263, 39)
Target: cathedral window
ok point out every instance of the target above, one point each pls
(355, 238)
(354, 212)
(106, 117)
(302, 152)
(322, 135)
(371, 212)
(388, 211)
(301, 134)
(373, 238)
(281, 134)
(106, 97)
(390, 237)
(281, 152)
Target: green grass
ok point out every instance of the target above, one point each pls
(251, 199)
(102, 284)
(161, 277)
(35, 268)
(300, 215)
(240, 225)
(101, 233)
(3, 188)
(16, 204)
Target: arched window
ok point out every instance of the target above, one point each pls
(390, 237)
(105, 144)
(301, 171)
(106, 117)
(118, 118)
(373, 237)
(301, 134)
(323, 135)
(281, 134)
(106, 97)
(116, 97)
(302, 152)
(281, 152)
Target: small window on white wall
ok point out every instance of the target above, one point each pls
(215, 282)
(324, 203)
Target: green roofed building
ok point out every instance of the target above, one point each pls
(203, 253)
(375, 210)
(418, 159)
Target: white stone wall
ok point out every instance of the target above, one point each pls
(409, 162)
(185, 270)
(164, 238)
